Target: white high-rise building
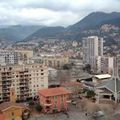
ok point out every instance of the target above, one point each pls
(105, 64)
(92, 48)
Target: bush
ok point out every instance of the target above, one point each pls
(31, 103)
(90, 94)
(38, 107)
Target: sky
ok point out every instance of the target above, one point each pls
(51, 12)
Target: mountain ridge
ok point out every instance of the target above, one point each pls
(93, 21)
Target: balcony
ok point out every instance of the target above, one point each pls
(68, 101)
(48, 103)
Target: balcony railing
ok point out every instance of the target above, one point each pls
(48, 103)
(68, 101)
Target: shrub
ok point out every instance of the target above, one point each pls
(90, 93)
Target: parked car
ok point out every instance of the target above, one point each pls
(73, 102)
(98, 114)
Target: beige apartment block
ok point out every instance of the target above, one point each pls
(55, 61)
(25, 53)
(27, 79)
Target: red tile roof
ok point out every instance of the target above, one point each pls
(54, 91)
(6, 105)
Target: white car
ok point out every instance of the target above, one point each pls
(98, 114)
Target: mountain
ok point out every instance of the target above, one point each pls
(47, 32)
(115, 21)
(89, 25)
(91, 22)
(17, 33)
(76, 31)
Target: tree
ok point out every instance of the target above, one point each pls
(87, 68)
(67, 66)
(63, 76)
(31, 105)
(90, 93)
(38, 107)
(25, 115)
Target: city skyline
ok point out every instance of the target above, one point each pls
(51, 13)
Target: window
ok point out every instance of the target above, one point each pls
(10, 68)
(42, 73)
(12, 113)
(12, 93)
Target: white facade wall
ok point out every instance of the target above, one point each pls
(92, 48)
(105, 64)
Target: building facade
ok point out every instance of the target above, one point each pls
(54, 99)
(27, 80)
(2, 117)
(55, 61)
(9, 57)
(26, 54)
(92, 48)
(107, 64)
(14, 56)
(12, 110)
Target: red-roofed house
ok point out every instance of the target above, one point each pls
(54, 99)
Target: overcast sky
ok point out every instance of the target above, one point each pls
(51, 12)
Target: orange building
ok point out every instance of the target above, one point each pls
(11, 110)
(2, 116)
(54, 99)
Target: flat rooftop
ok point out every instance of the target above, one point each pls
(103, 76)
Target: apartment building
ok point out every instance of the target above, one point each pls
(9, 57)
(92, 48)
(26, 54)
(54, 99)
(14, 56)
(27, 79)
(55, 61)
(107, 64)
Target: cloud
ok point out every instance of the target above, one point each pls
(51, 12)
